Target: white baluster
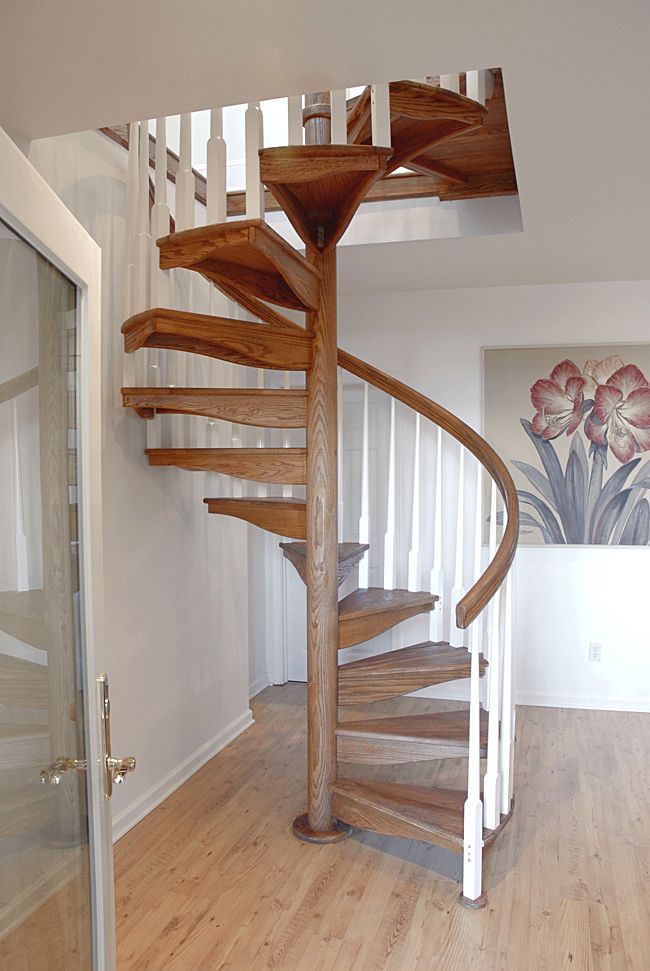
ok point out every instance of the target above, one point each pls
(236, 484)
(437, 578)
(476, 86)
(261, 486)
(380, 114)
(22, 558)
(450, 82)
(413, 581)
(473, 812)
(217, 167)
(160, 283)
(294, 113)
(287, 490)
(476, 630)
(185, 187)
(389, 535)
(492, 548)
(254, 142)
(364, 519)
(129, 360)
(143, 245)
(339, 446)
(456, 635)
(492, 780)
(339, 109)
(507, 706)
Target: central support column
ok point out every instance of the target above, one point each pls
(318, 824)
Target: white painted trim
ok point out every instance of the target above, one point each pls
(160, 790)
(544, 699)
(259, 685)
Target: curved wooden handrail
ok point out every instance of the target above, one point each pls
(489, 582)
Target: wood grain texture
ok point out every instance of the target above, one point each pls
(281, 465)
(18, 385)
(22, 615)
(320, 187)
(349, 555)
(407, 738)
(399, 672)
(255, 345)
(263, 408)
(489, 582)
(213, 878)
(251, 253)
(23, 684)
(367, 612)
(284, 517)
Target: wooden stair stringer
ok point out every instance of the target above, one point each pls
(262, 407)
(284, 517)
(349, 554)
(365, 613)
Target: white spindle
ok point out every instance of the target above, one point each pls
(22, 559)
(294, 112)
(338, 105)
(492, 548)
(450, 82)
(185, 178)
(236, 484)
(254, 142)
(413, 576)
(129, 360)
(217, 164)
(456, 635)
(339, 445)
(492, 781)
(476, 629)
(380, 114)
(364, 518)
(507, 706)
(473, 814)
(389, 535)
(287, 490)
(437, 578)
(476, 86)
(160, 282)
(261, 435)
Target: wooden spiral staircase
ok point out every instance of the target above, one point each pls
(320, 186)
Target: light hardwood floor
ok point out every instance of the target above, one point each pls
(214, 880)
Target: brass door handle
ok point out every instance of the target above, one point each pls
(115, 770)
(119, 768)
(55, 773)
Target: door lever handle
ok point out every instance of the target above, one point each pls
(115, 770)
(54, 774)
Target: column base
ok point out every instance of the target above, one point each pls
(303, 831)
(477, 904)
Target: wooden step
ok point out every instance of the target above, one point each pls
(408, 738)
(255, 345)
(349, 555)
(434, 815)
(281, 465)
(23, 745)
(250, 253)
(400, 672)
(285, 517)
(260, 407)
(22, 616)
(320, 187)
(421, 116)
(26, 808)
(23, 684)
(368, 612)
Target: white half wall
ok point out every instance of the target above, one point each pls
(565, 597)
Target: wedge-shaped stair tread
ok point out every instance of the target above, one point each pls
(249, 253)
(421, 116)
(285, 517)
(320, 187)
(400, 672)
(368, 612)
(255, 345)
(349, 555)
(26, 808)
(408, 738)
(261, 407)
(282, 465)
(23, 684)
(23, 745)
(22, 616)
(396, 809)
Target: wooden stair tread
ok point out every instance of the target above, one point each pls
(408, 738)
(22, 615)
(320, 187)
(422, 115)
(264, 408)
(402, 671)
(349, 555)
(25, 808)
(428, 813)
(23, 684)
(280, 465)
(370, 611)
(285, 517)
(255, 345)
(249, 252)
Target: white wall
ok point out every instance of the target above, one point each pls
(176, 578)
(565, 598)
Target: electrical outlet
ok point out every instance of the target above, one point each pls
(595, 651)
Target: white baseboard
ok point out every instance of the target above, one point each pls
(554, 699)
(127, 818)
(259, 685)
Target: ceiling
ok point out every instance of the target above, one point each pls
(577, 89)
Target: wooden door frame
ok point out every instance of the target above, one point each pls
(34, 212)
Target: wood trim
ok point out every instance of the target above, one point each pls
(489, 582)
(15, 386)
(263, 408)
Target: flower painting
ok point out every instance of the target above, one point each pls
(581, 457)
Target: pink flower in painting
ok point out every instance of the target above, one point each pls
(558, 401)
(599, 372)
(621, 414)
